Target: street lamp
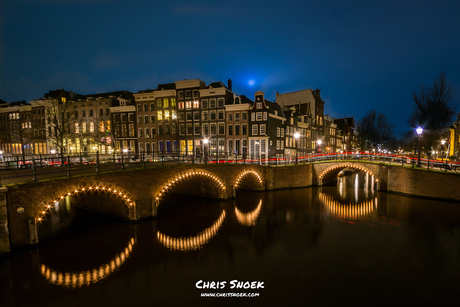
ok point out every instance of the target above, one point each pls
(296, 136)
(443, 142)
(419, 131)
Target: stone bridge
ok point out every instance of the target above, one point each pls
(136, 194)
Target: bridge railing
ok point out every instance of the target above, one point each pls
(43, 167)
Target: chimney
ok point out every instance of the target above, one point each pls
(229, 85)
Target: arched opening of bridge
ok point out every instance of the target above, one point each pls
(248, 180)
(74, 210)
(352, 175)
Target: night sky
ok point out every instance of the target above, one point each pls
(361, 54)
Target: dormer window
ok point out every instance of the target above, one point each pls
(63, 99)
(259, 105)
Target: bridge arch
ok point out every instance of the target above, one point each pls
(331, 172)
(246, 173)
(187, 176)
(86, 278)
(192, 243)
(117, 192)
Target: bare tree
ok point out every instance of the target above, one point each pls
(21, 132)
(374, 129)
(62, 123)
(434, 109)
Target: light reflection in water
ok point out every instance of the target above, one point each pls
(348, 210)
(72, 280)
(250, 218)
(192, 243)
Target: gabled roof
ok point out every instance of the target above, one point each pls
(124, 94)
(244, 99)
(216, 85)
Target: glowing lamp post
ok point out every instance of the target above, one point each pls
(419, 131)
(319, 145)
(443, 142)
(296, 136)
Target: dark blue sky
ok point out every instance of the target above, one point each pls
(361, 54)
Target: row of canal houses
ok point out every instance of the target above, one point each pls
(186, 117)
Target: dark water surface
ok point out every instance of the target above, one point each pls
(343, 244)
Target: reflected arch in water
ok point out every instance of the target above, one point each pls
(348, 210)
(116, 192)
(188, 175)
(250, 173)
(330, 173)
(250, 218)
(74, 280)
(191, 243)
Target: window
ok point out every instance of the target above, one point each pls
(173, 102)
(77, 128)
(265, 115)
(188, 94)
(204, 104)
(166, 114)
(259, 105)
(181, 116)
(189, 116)
(152, 107)
(244, 129)
(195, 93)
(229, 117)
(154, 132)
(212, 103)
(196, 129)
(146, 107)
(189, 129)
(76, 114)
(237, 117)
(83, 127)
(91, 127)
(253, 116)
(181, 129)
(282, 145)
(221, 115)
(139, 108)
(165, 103)
(278, 132)
(205, 129)
(230, 129)
(259, 116)
(282, 132)
(221, 128)
(220, 102)
(213, 115)
(140, 134)
(213, 129)
(196, 104)
(262, 129)
(181, 95)
(181, 105)
(277, 144)
(160, 115)
(188, 105)
(196, 116)
(152, 119)
(160, 129)
(158, 103)
(255, 129)
(244, 116)
(101, 112)
(131, 129)
(83, 113)
(146, 119)
(139, 119)
(237, 129)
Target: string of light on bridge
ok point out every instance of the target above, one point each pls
(240, 178)
(250, 218)
(188, 175)
(106, 189)
(73, 280)
(192, 243)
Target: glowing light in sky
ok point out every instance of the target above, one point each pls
(251, 82)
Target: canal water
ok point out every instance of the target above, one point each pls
(342, 244)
